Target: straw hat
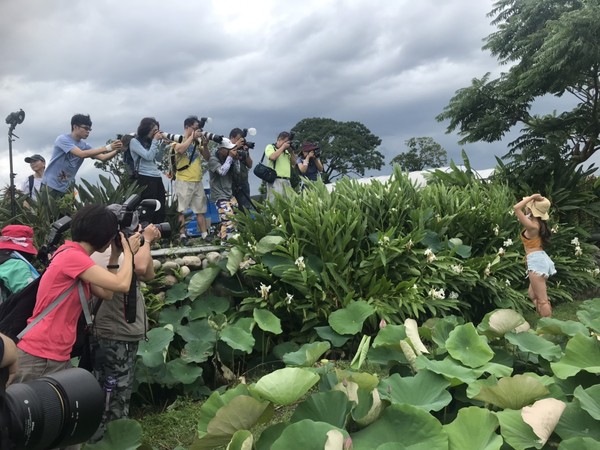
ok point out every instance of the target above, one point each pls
(539, 209)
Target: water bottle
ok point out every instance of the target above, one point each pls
(109, 385)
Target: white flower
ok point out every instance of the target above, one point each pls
(235, 236)
(289, 298)
(264, 291)
(507, 243)
(453, 295)
(596, 271)
(409, 244)
(437, 293)
(554, 229)
(430, 255)
(488, 270)
(575, 241)
(511, 212)
(496, 230)
(384, 241)
(393, 209)
(501, 251)
(578, 251)
(300, 263)
(507, 282)
(473, 208)
(415, 287)
(438, 217)
(247, 263)
(457, 268)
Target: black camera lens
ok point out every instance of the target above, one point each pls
(54, 411)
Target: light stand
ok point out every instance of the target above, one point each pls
(13, 119)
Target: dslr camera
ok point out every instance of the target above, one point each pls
(293, 142)
(135, 211)
(245, 133)
(15, 118)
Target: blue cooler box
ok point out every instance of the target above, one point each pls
(212, 217)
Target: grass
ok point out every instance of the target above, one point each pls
(175, 425)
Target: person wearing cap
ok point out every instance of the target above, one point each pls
(31, 186)
(69, 152)
(221, 166)
(309, 163)
(532, 212)
(241, 185)
(281, 159)
(16, 272)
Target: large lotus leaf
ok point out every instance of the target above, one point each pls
(202, 280)
(240, 413)
(589, 399)
(121, 434)
(465, 345)
(364, 380)
(575, 421)
(426, 390)
(581, 353)
(182, 372)
(369, 407)
(208, 304)
(350, 319)
(267, 321)
(499, 322)
(270, 435)
(549, 325)
(385, 356)
(450, 369)
(331, 407)
(412, 333)
(241, 440)
(214, 402)
(268, 243)
(305, 435)
(173, 315)
(589, 314)
(515, 432)
(197, 352)
(237, 338)
(197, 330)
(285, 386)
(498, 370)
(532, 343)
(579, 443)
(234, 258)
(408, 426)
(285, 347)
(442, 329)
(327, 333)
(307, 355)
(474, 429)
(350, 388)
(176, 293)
(543, 416)
(512, 392)
(154, 350)
(390, 337)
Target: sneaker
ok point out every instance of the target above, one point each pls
(183, 239)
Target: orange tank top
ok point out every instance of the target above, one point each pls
(531, 244)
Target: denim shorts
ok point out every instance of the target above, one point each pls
(540, 263)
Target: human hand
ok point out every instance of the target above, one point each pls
(537, 197)
(151, 233)
(117, 145)
(233, 152)
(158, 135)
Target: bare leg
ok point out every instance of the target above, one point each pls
(201, 222)
(532, 296)
(537, 284)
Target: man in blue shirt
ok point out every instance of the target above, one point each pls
(69, 153)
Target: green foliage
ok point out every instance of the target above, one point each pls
(346, 147)
(423, 152)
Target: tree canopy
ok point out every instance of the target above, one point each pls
(346, 147)
(423, 152)
(553, 49)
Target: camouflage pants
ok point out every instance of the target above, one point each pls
(114, 359)
(226, 212)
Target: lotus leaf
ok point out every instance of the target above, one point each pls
(425, 390)
(240, 413)
(182, 372)
(335, 440)
(575, 421)
(267, 321)
(465, 345)
(327, 333)
(515, 432)
(361, 353)
(201, 281)
(198, 330)
(285, 386)
(154, 350)
(589, 399)
(579, 443)
(474, 429)
(237, 338)
(234, 258)
(270, 435)
(412, 333)
(581, 353)
(176, 293)
(121, 434)
(241, 440)
(589, 315)
(512, 392)
(364, 380)
(532, 343)
(331, 407)
(549, 325)
(442, 328)
(268, 243)
(543, 416)
(305, 435)
(350, 320)
(369, 407)
(350, 388)
(454, 372)
(406, 426)
(499, 322)
(390, 337)
(208, 304)
(173, 315)
(307, 355)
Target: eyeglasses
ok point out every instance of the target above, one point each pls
(85, 127)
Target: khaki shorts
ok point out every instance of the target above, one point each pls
(190, 194)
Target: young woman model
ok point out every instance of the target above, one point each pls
(532, 212)
(46, 347)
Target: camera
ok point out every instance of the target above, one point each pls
(53, 411)
(135, 211)
(293, 143)
(245, 133)
(179, 138)
(15, 118)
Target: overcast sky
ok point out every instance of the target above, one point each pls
(390, 64)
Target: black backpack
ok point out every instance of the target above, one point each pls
(131, 166)
(17, 308)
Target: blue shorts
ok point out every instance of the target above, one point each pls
(540, 263)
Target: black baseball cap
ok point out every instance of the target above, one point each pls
(35, 157)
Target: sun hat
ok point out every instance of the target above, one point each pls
(226, 143)
(33, 158)
(539, 209)
(308, 146)
(19, 238)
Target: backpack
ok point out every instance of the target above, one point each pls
(131, 166)
(31, 185)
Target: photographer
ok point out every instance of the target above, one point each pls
(309, 163)
(115, 342)
(241, 186)
(46, 347)
(282, 159)
(222, 165)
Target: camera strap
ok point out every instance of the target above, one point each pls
(191, 158)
